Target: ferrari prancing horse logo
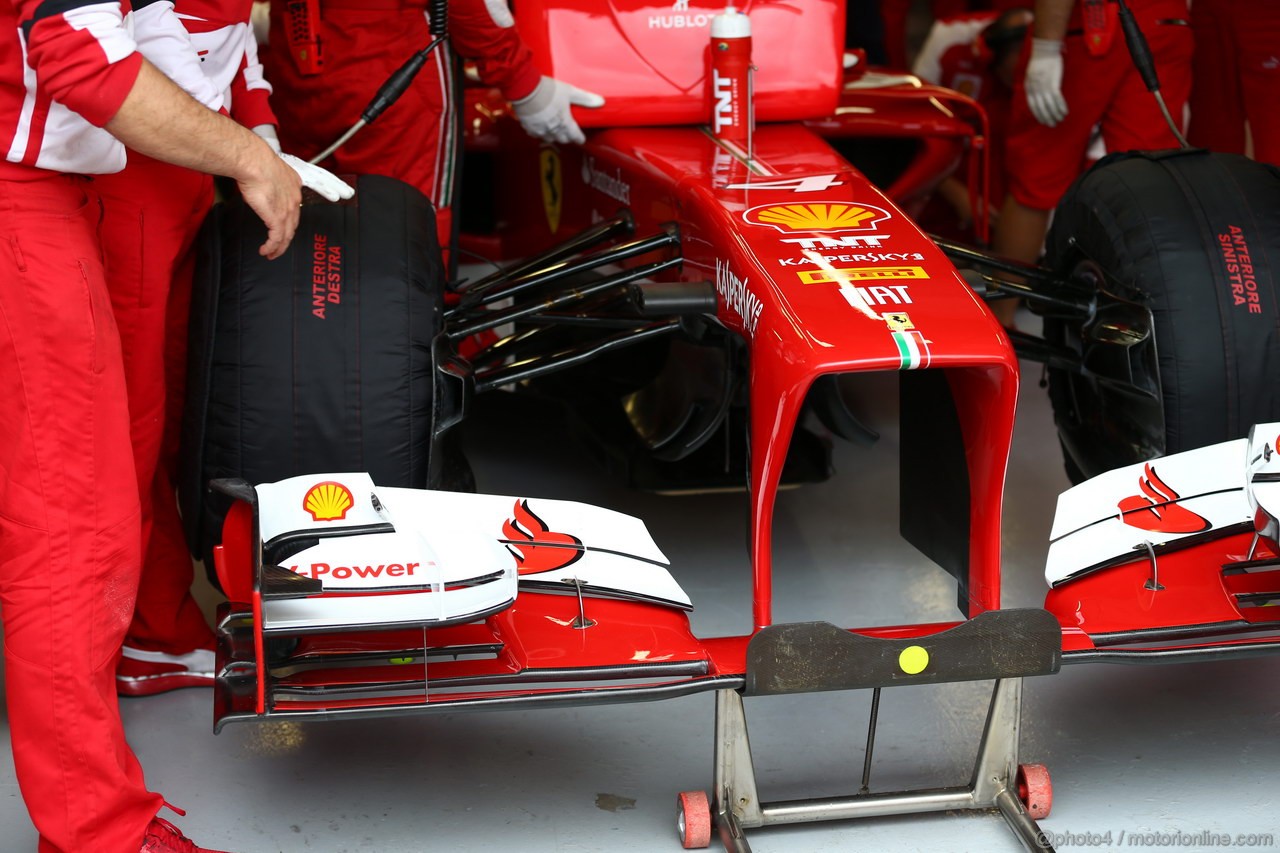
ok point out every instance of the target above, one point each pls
(552, 186)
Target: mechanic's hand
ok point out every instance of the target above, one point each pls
(545, 113)
(323, 181)
(1043, 82)
(274, 192)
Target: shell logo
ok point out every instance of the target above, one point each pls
(817, 217)
(328, 501)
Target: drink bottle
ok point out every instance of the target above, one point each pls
(730, 70)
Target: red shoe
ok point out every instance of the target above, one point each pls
(143, 673)
(164, 837)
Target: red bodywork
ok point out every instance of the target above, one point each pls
(817, 270)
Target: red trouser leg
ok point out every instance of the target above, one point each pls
(69, 528)
(893, 14)
(1217, 111)
(1257, 28)
(167, 617)
(1133, 120)
(1237, 76)
(152, 212)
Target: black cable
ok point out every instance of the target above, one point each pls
(439, 12)
(1139, 50)
(398, 82)
(1144, 62)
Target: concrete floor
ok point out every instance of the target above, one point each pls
(1187, 749)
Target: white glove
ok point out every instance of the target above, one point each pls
(545, 114)
(1043, 82)
(322, 181)
(268, 134)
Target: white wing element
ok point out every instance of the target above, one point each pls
(1263, 475)
(1111, 518)
(880, 80)
(410, 556)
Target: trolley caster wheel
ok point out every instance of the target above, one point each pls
(1035, 789)
(693, 819)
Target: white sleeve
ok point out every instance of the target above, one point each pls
(164, 41)
(944, 35)
(253, 77)
(928, 65)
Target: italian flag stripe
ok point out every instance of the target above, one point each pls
(912, 349)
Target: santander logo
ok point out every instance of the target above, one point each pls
(535, 546)
(1156, 508)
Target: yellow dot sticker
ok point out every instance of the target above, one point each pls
(913, 660)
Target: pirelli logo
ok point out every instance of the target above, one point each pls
(861, 274)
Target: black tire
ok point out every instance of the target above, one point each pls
(326, 359)
(1178, 233)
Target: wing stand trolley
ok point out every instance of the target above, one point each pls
(1005, 645)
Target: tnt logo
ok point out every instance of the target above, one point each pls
(722, 93)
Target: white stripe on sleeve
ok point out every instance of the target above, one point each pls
(104, 22)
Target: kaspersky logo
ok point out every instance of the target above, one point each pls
(1156, 508)
(328, 501)
(817, 217)
(534, 545)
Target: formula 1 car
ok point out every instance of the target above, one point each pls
(692, 300)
